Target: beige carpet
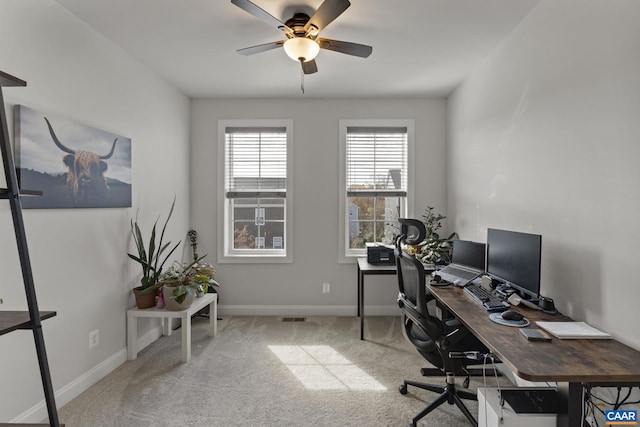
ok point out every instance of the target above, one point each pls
(261, 371)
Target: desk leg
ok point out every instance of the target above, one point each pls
(132, 337)
(359, 290)
(575, 405)
(186, 337)
(361, 303)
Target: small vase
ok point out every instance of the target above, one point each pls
(160, 302)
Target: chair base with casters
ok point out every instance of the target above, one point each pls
(448, 394)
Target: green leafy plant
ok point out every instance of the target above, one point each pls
(435, 249)
(150, 257)
(186, 278)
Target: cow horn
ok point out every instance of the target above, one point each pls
(56, 141)
(113, 147)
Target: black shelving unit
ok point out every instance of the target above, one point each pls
(17, 320)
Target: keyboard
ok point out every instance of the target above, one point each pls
(485, 298)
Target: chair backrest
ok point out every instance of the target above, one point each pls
(412, 296)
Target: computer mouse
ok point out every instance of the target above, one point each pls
(512, 315)
(437, 278)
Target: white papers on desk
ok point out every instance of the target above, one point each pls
(573, 330)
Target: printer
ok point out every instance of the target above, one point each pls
(378, 253)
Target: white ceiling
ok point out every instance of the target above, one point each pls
(420, 47)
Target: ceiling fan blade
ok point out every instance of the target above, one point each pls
(349, 48)
(261, 14)
(310, 67)
(260, 48)
(326, 13)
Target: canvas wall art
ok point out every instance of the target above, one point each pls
(74, 165)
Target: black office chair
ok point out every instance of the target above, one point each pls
(434, 339)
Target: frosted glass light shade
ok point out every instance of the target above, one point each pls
(301, 48)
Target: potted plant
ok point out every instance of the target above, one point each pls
(435, 249)
(202, 277)
(151, 258)
(181, 282)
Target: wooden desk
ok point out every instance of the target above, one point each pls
(571, 361)
(210, 300)
(364, 268)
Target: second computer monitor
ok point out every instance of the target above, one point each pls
(514, 258)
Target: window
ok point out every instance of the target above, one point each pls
(376, 179)
(256, 190)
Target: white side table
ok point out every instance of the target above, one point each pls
(210, 300)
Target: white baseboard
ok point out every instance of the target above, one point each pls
(306, 310)
(150, 337)
(38, 412)
(64, 395)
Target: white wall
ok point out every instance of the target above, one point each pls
(296, 288)
(79, 256)
(543, 138)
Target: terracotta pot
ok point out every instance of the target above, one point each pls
(171, 303)
(146, 300)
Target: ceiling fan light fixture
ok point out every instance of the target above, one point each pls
(301, 49)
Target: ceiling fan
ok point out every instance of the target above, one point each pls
(302, 43)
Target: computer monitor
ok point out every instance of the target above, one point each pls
(514, 258)
(469, 253)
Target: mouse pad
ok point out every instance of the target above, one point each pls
(497, 317)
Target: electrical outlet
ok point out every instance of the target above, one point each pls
(326, 288)
(94, 338)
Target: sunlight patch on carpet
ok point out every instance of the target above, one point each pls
(320, 367)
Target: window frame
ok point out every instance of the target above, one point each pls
(346, 254)
(225, 251)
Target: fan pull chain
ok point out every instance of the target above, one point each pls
(302, 75)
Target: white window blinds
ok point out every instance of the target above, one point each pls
(256, 162)
(376, 161)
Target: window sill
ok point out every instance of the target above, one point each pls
(351, 258)
(255, 259)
